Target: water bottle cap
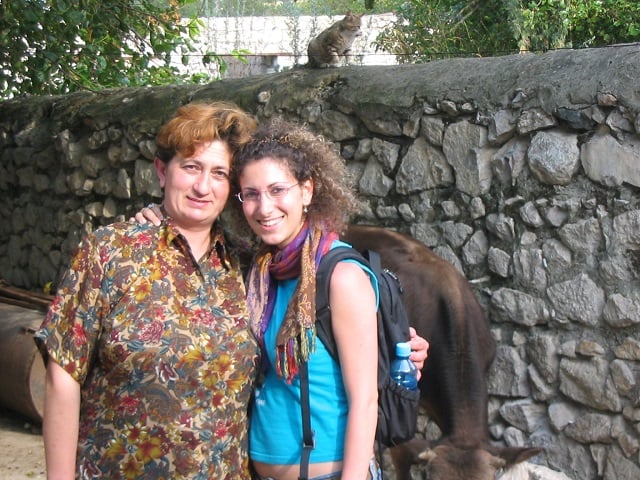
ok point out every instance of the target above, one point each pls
(403, 349)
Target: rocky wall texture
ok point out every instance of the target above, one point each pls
(523, 171)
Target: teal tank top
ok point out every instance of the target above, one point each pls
(275, 434)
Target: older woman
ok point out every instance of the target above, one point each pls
(150, 359)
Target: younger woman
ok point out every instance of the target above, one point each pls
(296, 198)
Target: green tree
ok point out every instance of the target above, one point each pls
(425, 31)
(440, 28)
(539, 25)
(604, 22)
(547, 24)
(59, 46)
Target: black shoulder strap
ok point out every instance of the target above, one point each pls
(374, 260)
(308, 435)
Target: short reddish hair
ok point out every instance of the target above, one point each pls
(197, 123)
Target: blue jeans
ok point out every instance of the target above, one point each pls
(375, 473)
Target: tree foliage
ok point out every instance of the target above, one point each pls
(59, 46)
(442, 28)
(604, 22)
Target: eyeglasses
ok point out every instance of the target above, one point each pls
(274, 192)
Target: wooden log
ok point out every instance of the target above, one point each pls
(24, 298)
(22, 370)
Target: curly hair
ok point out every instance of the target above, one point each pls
(307, 156)
(197, 123)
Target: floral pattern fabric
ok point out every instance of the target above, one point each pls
(161, 347)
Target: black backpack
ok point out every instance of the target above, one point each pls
(397, 406)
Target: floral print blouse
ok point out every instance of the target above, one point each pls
(160, 345)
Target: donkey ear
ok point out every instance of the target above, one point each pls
(497, 462)
(430, 452)
(416, 447)
(427, 455)
(513, 455)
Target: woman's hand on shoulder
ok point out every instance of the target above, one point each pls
(150, 213)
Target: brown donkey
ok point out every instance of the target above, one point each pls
(444, 310)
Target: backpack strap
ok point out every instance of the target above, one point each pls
(308, 435)
(374, 260)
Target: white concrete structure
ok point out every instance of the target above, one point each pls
(277, 43)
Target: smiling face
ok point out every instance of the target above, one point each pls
(196, 188)
(275, 220)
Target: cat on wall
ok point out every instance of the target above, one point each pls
(334, 43)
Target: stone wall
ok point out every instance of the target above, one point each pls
(523, 171)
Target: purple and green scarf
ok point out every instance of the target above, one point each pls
(300, 258)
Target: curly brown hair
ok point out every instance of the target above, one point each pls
(197, 123)
(307, 156)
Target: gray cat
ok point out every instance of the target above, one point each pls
(335, 42)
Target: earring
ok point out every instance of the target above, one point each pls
(305, 209)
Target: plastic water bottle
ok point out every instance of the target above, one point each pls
(403, 371)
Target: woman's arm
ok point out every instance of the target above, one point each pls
(353, 318)
(60, 422)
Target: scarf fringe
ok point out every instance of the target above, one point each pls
(290, 357)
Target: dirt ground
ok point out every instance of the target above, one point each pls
(21, 448)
